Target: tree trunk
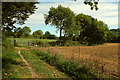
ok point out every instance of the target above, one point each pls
(60, 35)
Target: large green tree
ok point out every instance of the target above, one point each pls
(18, 32)
(26, 31)
(47, 34)
(115, 31)
(114, 35)
(92, 31)
(38, 34)
(61, 17)
(16, 12)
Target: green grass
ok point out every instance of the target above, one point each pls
(41, 67)
(44, 42)
(31, 42)
(25, 40)
(13, 66)
(72, 68)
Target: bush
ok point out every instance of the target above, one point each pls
(40, 43)
(51, 37)
(72, 43)
(9, 57)
(7, 46)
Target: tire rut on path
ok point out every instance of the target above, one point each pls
(34, 75)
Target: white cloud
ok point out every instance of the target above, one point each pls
(108, 12)
(109, 0)
(36, 19)
(77, 0)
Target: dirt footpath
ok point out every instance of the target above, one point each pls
(34, 75)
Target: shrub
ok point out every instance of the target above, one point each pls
(7, 46)
(40, 43)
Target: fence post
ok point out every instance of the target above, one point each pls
(79, 55)
(73, 54)
(56, 49)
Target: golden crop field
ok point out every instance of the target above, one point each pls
(102, 58)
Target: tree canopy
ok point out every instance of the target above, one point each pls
(47, 33)
(16, 12)
(61, 17)
(92, 3)
(38, 34)
(18, 32)
(92, 31)
(26, 31)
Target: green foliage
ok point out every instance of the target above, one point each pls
(113, 36)
(115, 31)
(62, 18)
(93, 4)
(92, 31)
(46, 35)
(7, 46)
(32, 42)
(41, 43)
(16, 12)
(26, 31)
(13, 66)
(11, 61)
(51, 37)
(41, 67)
(38, 34)
(8, 33)
(30, 36)
(74, 69)
(71, 43)
(8, 60)
(18, 32)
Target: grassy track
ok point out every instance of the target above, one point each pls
(13, 66)
(41, 67)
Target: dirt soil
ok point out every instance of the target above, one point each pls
(103, 58)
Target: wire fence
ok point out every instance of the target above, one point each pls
(85, 57)
(93, 57)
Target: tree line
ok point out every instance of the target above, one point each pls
(25, 33)
(79, 27)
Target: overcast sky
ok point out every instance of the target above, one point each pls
(108, 13)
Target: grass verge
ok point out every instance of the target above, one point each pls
(13, 66)
(72, 68)
(42, 68)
